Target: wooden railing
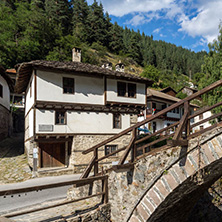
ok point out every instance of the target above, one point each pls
(76, 183)
(182, 132)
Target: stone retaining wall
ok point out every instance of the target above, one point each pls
(83, 142)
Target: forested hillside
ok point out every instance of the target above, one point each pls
(49, 29)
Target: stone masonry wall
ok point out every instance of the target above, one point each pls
(83, 142)
(29, 145)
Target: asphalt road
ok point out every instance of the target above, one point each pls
(13, 202)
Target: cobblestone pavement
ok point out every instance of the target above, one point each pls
(61, 213)
(13, 162)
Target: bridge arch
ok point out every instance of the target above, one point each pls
(175, 191)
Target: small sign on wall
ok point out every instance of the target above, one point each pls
(45, 128)
(35, 153)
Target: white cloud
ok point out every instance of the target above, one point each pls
(196, 18)
(124, 7)
(137, 20)
(205, 23)
(157, 30)
(142, 18)
(202, 42)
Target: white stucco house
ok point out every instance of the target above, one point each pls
(5, 114)
(157, 101)
(71, 106)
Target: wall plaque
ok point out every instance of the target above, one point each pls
(45, 128)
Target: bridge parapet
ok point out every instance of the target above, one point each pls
(171, 195)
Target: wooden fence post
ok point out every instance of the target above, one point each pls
(105, 190)
(96, 168)
(134, 151)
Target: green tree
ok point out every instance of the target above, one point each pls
(152, 73)
(212, 68)
(7, 36)
(97, 24)
(80, 19)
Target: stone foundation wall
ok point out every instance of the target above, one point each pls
(83, 142)
(29, 145)
(4, 122)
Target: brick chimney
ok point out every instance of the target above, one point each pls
(76, 54)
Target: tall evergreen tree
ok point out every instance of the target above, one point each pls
(80, 19)
(97, 23)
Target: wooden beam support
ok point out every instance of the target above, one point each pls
(124, 156)
(88, 168)
(183, 122)
(96, 166)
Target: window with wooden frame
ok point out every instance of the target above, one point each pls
(121, 88)
(126, 89)
(131, 90)
(110, 149)
(201, 116)
(116, 121)
(60, 117)
(68, 85)
(1, 91)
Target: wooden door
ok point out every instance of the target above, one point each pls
(52, 154)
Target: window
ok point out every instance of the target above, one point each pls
(116, 121)
(121, 88)
(126, 89)
(131, 90)
(164, 106)
(68, 85)
(60, 117)
(154, 127)
(110, 149)
(1, 91)
(201, 116)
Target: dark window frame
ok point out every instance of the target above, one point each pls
(120, 89)
(117, 121)
(1, 90)
(58, 119)
(70, 87)
(129, 91)
(110, 149)
(201, 116)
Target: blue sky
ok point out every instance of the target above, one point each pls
(186, 23)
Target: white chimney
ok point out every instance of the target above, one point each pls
(76, 54)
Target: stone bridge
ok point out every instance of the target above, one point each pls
(166, 184)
